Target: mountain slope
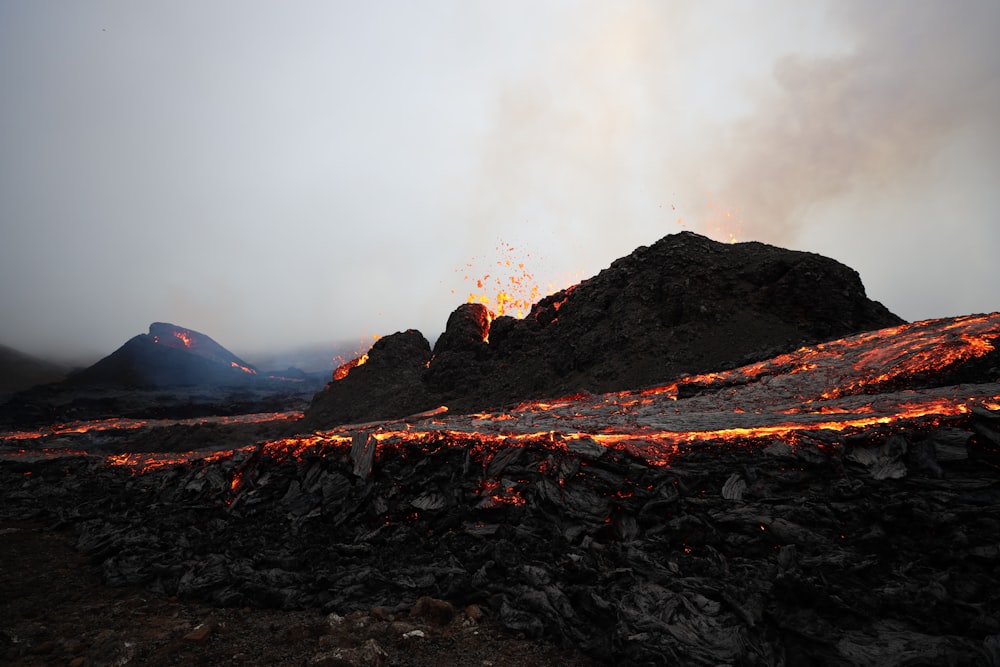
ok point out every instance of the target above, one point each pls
(168, 355)
(21, 371)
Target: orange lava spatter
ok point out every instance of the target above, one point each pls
(358, 358)
(506, 286)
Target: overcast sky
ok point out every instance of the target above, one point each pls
(284, 173)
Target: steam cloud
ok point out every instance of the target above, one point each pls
(648, 105)
(853, 123)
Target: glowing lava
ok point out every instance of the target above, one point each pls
(508, 288)
(360, 357)
(817, 394)
(344, 369)
(243, 368)
(185, 338)
(126, 424)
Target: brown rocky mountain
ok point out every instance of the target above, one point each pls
(685, 304)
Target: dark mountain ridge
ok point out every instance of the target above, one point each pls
(171, 372)
(21, 371)
(168, 355)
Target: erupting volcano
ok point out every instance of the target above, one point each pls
(707, 454)
(685, 304)
(168, 355)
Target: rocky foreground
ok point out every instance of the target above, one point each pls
(731, 555)
(58, 612)
(837, 505)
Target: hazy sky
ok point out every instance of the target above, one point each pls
(284, 173)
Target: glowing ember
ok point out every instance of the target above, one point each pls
(846, 386)
(344, 369)
(185, 338)
(508, 288)
(344, 366)
(495, 493)
(818, 388)
(243, 368)
(125, 424)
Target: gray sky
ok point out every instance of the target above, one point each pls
(284, 173)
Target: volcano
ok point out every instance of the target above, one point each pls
(684, 305)
(763, 503)
(172, 372)
(168, 355)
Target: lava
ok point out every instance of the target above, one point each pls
(509, 288)
(145, 462)
(344, 369)
(843, 387)
(185, 338)
(359, 358)
(127, 424)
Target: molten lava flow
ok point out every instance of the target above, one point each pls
(861, 364)
(827, 387)
(243, 368)
(909, 350)
(811, 397)
(141, 463)
(360, 357)
(485, 436)
(185, 338)
(125, 424)
(343, 370)
(724, 224)
(495, 493)
(511, 291)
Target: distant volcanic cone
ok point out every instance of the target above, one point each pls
(168, 355)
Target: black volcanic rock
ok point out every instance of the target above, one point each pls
(460, 351)
(388, 384)
(685, 304)
(468, 330)
(167, 356)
